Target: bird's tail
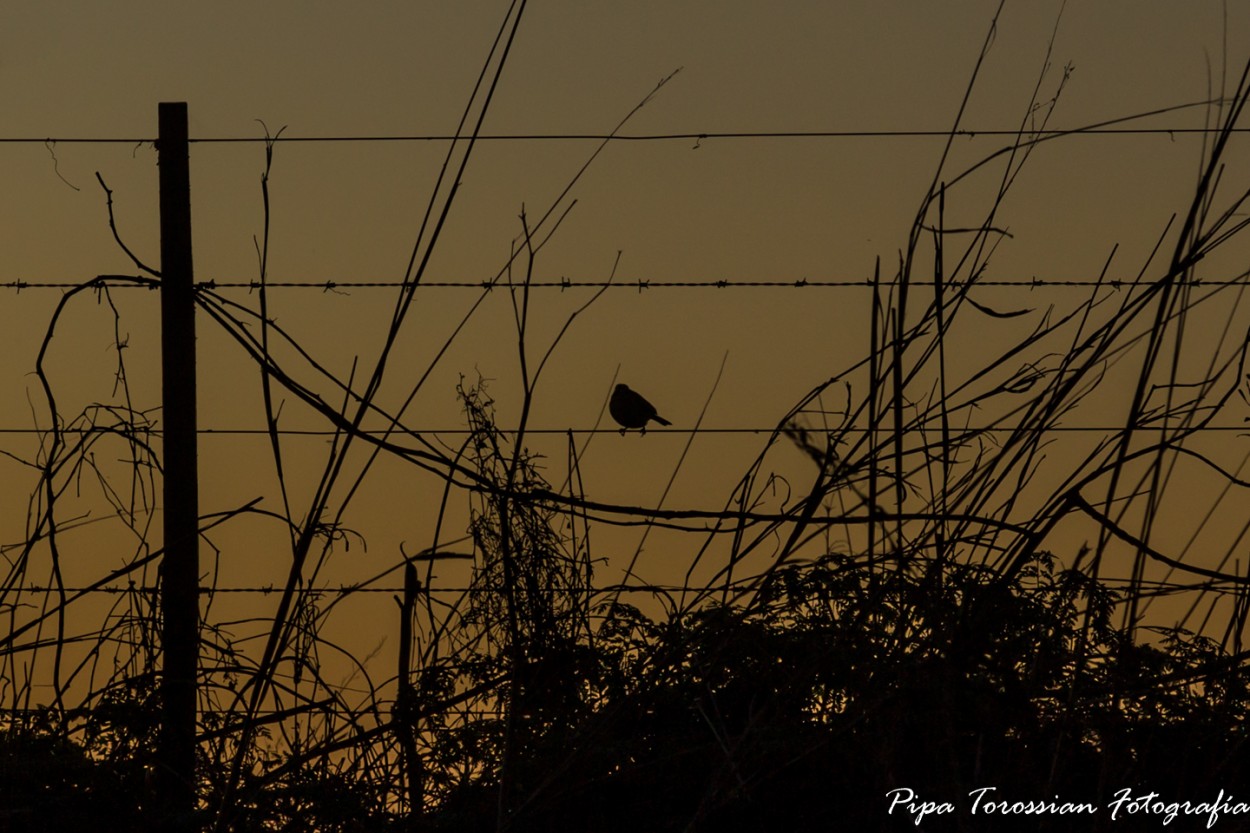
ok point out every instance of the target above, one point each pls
(661, 420)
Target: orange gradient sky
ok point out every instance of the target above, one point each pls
(737, 209)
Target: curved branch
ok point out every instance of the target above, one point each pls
(116, 236)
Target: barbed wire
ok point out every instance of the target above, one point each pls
(129, 282)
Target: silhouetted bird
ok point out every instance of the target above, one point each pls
(631, 410)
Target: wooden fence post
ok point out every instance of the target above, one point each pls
(180, 597)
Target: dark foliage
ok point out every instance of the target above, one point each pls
(798, 713)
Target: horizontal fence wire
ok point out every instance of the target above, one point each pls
(147, 283)
(688, 136)
(110, 428)
(348, 590)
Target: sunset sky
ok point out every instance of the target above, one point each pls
(822, 208)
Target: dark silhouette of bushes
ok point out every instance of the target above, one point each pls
(797, 712)
(50, 782)
(803, 711)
